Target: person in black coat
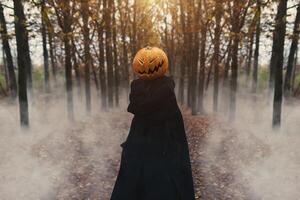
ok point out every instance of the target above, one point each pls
(155, 162)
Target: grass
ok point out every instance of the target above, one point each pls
(38, 78)
(2, 80)
(263, 78)
(297, 80)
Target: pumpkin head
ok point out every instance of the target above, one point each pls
(150, 63)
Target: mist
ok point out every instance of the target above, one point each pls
(59, 159)
(56, 158)
(263, 162)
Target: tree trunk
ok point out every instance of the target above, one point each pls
(87, 56)
(109, 56)
(257, 45)
(202, 68)
(294, 70)
(228, 63)
(250, 55)
(52, 56)
(289, 70)
(189, 52)
(95, 77)
(134, 30)
(274, 57)
(5, 69)
(209, 74)
(124, 61)
(9, 60)
(115, 56)
(166, 33)
(22, 40)
(102, 73)
(76, 68)
(235, 24)
(278, 44)
(68, 64)
(172, 53)
(195, 58)
(26, 53)
(183, 56)
(216, 56)
(45, 50)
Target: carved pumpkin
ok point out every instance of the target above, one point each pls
(150, 63)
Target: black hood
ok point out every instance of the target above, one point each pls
(152, 97)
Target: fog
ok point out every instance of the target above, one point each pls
(264, 162)
(59, 159)
(42, 162)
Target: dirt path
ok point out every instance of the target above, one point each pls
(218, 154)
(213, 180)
(87, 179)
(92, 154)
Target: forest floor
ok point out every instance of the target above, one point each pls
(214, 169)
(213, 179)
(80, 162)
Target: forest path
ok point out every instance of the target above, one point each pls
(215, 169)
(219, 157)
(91, 177)
(80, 161)
(213, 172)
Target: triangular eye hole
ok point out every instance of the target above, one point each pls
(141, 62)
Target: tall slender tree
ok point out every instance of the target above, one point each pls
(257, 45)
(68, 65)
(183, 59)
(202, 67)
(52, 51)
(22, 40)
(9, 59)
(238, 16)
(277, 56)
(75, 65)
(216, 55)
(195, 55)
(107, 5)
(87, 55)
(26, 50)
(124, 15)
(45, 49)
(63, 14)
(293, 49)
(115, 55)
(102, 71)
(250, 53)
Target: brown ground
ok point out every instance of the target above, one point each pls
(86, 179)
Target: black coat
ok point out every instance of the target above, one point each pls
(155, 163)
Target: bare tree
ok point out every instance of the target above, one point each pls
(22, 41)
(45, 50)
(257, 45)
(107, 5)
(277, 56)
(6, 47)
(293, 49)
(63, 14)
(216, 55)
(87, 55)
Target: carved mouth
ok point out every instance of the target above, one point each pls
(155, 69)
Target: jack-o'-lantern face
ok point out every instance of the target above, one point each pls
(150, 63)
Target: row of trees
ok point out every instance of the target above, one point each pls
(208, 42)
